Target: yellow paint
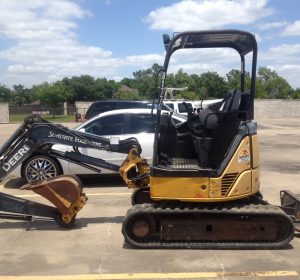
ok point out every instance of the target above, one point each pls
(255, 180)
(255, 151)
(179, 275)
(242, 185)
(234, 165)
(204, 189)
(179, 188)
(134, 162)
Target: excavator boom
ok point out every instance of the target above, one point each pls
(36, 135)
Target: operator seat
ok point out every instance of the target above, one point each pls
(230, 104)
(218, 130)
(226, 128)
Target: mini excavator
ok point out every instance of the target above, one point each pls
(202, 188)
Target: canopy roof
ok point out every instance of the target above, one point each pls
(243, 42)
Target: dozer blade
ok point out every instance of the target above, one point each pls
(65, 192)
(290, 204)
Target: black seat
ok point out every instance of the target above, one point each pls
(211, 116)
(219, 129)
(226, 128)
(232, 101)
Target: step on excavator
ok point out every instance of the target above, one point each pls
(202, 188)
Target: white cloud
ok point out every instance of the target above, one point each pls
(39, 19)
(258, 37)
(272, 25)
(290, 72)
(144, 59)
(292, 30)
(46, 47)
(285, 53)
(198, 61)
(205, 14)
(285, 60)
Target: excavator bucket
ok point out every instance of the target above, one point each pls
(65, 192)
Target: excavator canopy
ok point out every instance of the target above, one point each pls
(243, 42)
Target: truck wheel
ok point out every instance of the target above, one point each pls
(39, 168)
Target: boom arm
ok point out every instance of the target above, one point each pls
(38, 135)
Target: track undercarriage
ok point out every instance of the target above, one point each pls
(249, 224)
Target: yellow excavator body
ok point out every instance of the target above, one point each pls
(240, 179)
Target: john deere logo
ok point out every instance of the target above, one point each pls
(244, 156)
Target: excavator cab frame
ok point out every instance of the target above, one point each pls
(204, 178)
(220, 144)
(241, 41)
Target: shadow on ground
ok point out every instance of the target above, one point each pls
(49, 224)
(91, 181)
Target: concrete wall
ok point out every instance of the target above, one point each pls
(82, 106)
(264, 108)
(4, 113)
(276, 108)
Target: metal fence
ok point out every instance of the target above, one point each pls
(62, 109)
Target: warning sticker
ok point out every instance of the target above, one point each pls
(244, 156)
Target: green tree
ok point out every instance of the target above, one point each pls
(188, 95)
(213, 85)
(182, 79)
(104, 89)
(126, 93)
(20, 95)
(5, 93)
(273, 84)
(146, 80)
(79, 88)
(296, 93)
(234, 79)
(51, 95)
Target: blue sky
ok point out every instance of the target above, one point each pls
(46, 40)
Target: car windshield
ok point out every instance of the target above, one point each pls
(170, 105)
(185, 107)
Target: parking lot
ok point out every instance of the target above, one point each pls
(95, 248)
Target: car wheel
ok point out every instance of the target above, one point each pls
(39, 168)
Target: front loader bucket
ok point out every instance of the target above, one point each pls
(65, 192)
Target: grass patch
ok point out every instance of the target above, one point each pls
(58, 119)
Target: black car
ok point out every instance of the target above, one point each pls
(103, 106)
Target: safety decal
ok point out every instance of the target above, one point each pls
(244, 156)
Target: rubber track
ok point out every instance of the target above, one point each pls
(257, 208)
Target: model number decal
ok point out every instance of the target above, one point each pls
(244, 156)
